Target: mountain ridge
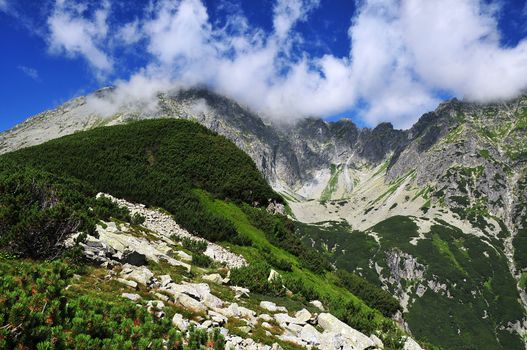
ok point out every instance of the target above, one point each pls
(454, 183)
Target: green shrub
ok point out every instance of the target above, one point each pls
(372, 295)
(37, 313)
(255, 277)
(137, 219)
(280, 231)
(158, 163)
(193, 245)
(39, 210)
(201, 260)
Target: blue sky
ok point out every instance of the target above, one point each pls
(372, 60)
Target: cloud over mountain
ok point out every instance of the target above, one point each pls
(403, 55)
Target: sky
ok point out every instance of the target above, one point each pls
(370, 60)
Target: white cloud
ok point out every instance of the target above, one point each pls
(402, 53)
(3, 5)
(75, 34)
(30, 72)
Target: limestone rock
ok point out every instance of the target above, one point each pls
(410, 344)
(272, 307)
(214, 278)
(310, 335)
(132, 297)
(355, 338)
(180, 323)
(317, 304)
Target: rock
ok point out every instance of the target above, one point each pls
(317, 304)
(132, 297)
(183, 256)
(205, 325)
(240, 292)
(353, 337)
(246, 313)
(165, 280)
(141, 275)
(276, 346)
(303, 315)
(272, 307)
(376, 341)
(212, 302)
(294, 328)
(265, 317)
(245, 329)
(332, 341)
(411, 344)
(158, 304)
(284, 320)
(266, 325)
(161, 297)
(190, 303)
(310, 335)
(180, 323)
(217, 317)
(133, 258)
(292, 339)
(155, 307)
(273, 275)
(131, 284)
(214, 278)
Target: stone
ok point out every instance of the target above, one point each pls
(317, 304)
(183, 256)
(266, 317)
(303, 315)
(240, 292)
(310, 335)
(133, 258)
(332, 341)
(212, 302)
(273, 275)
(180, 323)
(292, 339)
(246, 313)
(131, 284)
(266, 325)
(245, 329)
(214, 278)
(272, 307)
(155, 307)
(353, 337)
(165, 280)
(141, 275)
(217, 317)
(132, 297)
(190, 303)
(376, 341)
(161, 297)
(284, 319)
(205, 325)
(410, 344)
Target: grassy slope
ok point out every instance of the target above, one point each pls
(161, 163)
(326, 285)
(457, 259)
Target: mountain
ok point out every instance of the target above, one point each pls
(195, 226)
(435, 214)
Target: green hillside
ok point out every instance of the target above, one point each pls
(211, 188)
(481, 299)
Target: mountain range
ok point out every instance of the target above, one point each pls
(436, 214)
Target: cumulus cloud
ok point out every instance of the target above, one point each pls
(73, 32)
(403, 54)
